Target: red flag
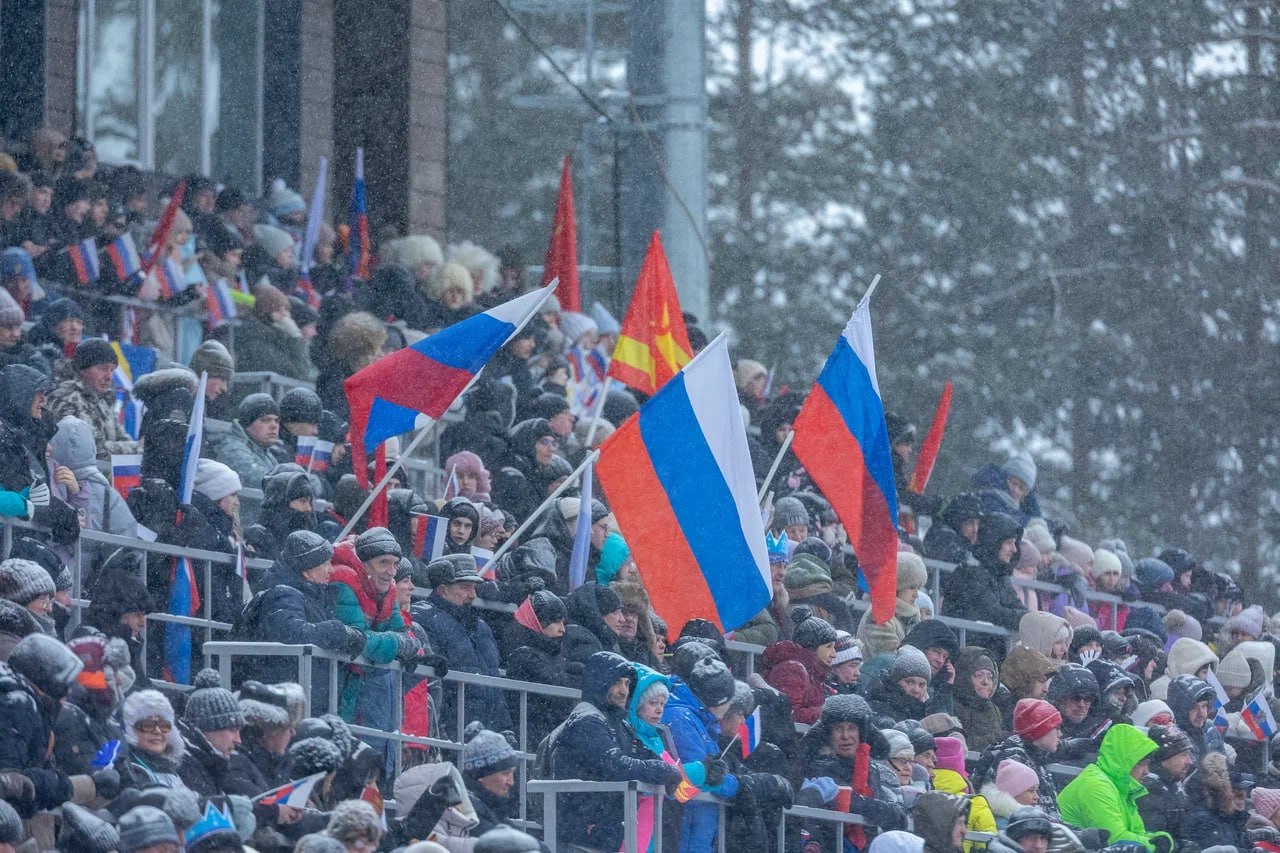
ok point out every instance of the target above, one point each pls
(932, 441)
(160, 237)
(653, 344)
(562, 251)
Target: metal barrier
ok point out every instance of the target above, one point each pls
(264, 382)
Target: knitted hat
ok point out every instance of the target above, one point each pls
(486, 752)
(84, 831)
(1152, 573)
(1265, 801)
(1021, 465)
(1015, 778)
(376, 542)
(145, 826)
(1152, 712)
(1106, 563)
(213, 358)
(256, 406)
(1180, 624)
(575, 325)
(911, 571)
(1034, 718)
(47, 663)
(271, 239)
(1028, 556)
(1037, 533)
(711, 682)
(1077, 553)
(313, 755)
(845, 708)
(548, 607)
(216, 481)
(815, 547)
(10, 824)
(92, 352)
(211, 707)
(1234, 669)
(1170, 741)
(303, 550)
(899, 744)
(300, 405)
(16, 263)
(1077, 618)
(789, 510)
(1247, 621)
(910, 662)
(744, 698)
(949, 754)
(811, 631)
(353, 821)
(847, 648)
(807, 573)
(23, 581)
(10, 314)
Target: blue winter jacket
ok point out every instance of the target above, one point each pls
(467, 642)
(695, 730)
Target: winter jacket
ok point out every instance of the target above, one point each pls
(1015, 748)
(797, 673)
(70, 397)
(819, 771)
(982, 591)
(1186, 657)
(243, 455)
(104, 509)
(885, 639)
(82, 728)
(1105, 796)
(26, 739)
(980, 717)
(1213, 819)
(360, 606)
(935, 815)
(491, 811)
(596, 743)
(541, 659)
(466, 640)
(586, 632)
(295, 611)
(695, 732)
(981, 818)
(1165, 806)
(1181, 695)
(887, 697)
(277, 347)
(761, 630)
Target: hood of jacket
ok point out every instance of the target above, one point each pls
(416, 781)
(17, 620)
(535, 558)
(584, 610)
(935, 815)
(1040, 629)
(1184, 691)
(1122, 748)
(932, 634)
(1023, 667)
(18, 387)
(995, 528)
(969, 660)
(602, 669)
(1002, 804)
(1261, 656)
(1187, 656)
(73, 445)
(786, 650)
(646, 732)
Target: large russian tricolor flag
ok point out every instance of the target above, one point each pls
(843, 443)
(679, 480)
(391, 396)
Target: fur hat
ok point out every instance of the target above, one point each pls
(352, 821)
(485, 752)
(1035, 718)
(911, 570)
(144, 705)
(23, 581)
(412, 251)
(451, 276)
(482, 264)
(145, 826)
(210, 706)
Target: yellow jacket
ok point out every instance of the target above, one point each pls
(980, 817)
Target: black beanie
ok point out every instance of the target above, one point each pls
(711, 681)
(548, 607)
(811, 631)
(91, 352)
(607, 600)
(304, 550)
(300, 405)
(256, 406)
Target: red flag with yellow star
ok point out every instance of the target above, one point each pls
(562, 251)
(653, 344)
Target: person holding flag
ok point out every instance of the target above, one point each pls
(1193, 703)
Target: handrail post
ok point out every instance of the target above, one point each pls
(397, 721)
(630, 841)
(524, 747)
(77, 585)
(462, 709)
(549, 819)
(304, 675)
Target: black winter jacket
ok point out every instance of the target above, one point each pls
(26, 733)
(82, 728)
(1164, 808)
(982, 591)
(541, 659)
(467, 642)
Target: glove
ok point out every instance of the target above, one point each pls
(1089, 656)
(716, 769)
(353, 641)
(1263, 833)
(18, 791)
(439, 663)
(769, 789)
(408, 649)
(1094, 838)
(39, 495)
(107, 783)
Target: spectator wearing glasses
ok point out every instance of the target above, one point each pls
(153, 747)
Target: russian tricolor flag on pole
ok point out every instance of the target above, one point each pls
(843, 443)
(391, 396)
(1258, 718)
(679, 479)
(184, 593)
(124, 256)
(84, 260)
(304, 450)
(749, 733)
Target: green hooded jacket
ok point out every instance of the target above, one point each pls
(1105, 796)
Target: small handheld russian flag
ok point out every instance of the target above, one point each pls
(749, 733)
(304, 450)
(124, 256)
(321, 456)
(1258, 718)
(429, 532)
(170, 278)
(84, 260)
(219, 305)
(451, 485)
(126, 472)
(483, 557)
(295, 794)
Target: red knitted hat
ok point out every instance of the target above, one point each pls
(1035, 718)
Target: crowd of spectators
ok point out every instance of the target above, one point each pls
(1098, 700)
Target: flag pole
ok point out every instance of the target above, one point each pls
(773, 469)
(386, 478)
(533, 516)
(595, 416)
(866, 297)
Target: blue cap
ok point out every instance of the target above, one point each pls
(16, 263)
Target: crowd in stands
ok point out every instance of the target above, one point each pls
(1049, 694)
